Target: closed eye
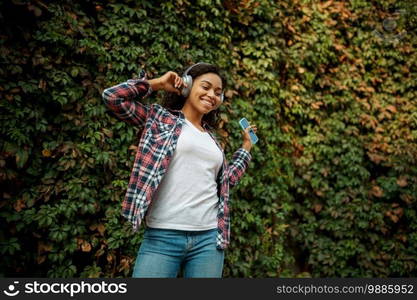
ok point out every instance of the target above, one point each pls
(218, 94)
(207, 85)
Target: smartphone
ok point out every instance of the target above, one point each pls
(245, 124)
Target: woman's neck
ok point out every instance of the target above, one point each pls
(193, 116)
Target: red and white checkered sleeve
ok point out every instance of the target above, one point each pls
(238, 165)
(122, 100)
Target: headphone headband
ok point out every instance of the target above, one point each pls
(192, 66)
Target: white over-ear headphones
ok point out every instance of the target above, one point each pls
(188, 80)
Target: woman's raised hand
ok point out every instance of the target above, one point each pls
(170, 82)
(247, 144)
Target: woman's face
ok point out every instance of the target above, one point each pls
(205, 94)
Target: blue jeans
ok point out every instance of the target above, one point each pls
(164, 252)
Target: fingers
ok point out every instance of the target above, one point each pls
(253, 127)
(175, 79)
(176, 83)
(179, 83)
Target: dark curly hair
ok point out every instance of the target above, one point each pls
(176, 102)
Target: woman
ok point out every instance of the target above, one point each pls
(180, 179)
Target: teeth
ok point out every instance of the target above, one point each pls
(208, 102)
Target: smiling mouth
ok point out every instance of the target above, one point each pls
(208, 102)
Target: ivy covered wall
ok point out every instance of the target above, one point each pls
(331, 85)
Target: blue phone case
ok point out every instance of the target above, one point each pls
(245, 124)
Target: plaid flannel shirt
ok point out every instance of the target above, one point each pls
(161, 130)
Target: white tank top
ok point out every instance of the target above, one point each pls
(187, 197)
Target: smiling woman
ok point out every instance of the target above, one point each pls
(180, 180)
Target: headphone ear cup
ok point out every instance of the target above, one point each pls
(188, 80)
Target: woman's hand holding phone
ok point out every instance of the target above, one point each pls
(249, 136)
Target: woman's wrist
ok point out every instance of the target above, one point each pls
(155, 84)
(247, 146)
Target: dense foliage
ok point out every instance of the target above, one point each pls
(331, 85)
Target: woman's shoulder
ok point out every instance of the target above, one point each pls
(158, 112)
